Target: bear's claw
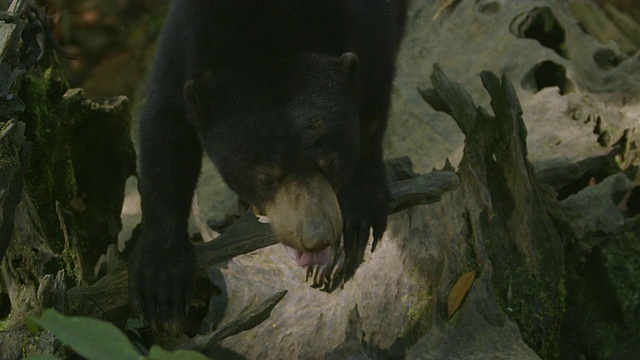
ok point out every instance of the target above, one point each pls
(330, 276)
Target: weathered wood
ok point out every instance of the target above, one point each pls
(514, 244)
(248, 320)
(421, 190)
(244, 236)
(17, 6)
(21, 264)
(15, 154)
(11, 29)
(12, 141)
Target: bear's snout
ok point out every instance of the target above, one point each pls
(305, 214)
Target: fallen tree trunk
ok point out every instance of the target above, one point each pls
(244, 236)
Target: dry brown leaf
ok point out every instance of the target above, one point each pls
(459, 291)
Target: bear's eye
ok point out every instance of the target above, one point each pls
(329, 167)
(265, 180)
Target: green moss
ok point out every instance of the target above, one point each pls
(533, 295)
(604, 293)
(622, 259)
(419, 319)
(538, 311)
(67, 260)
(610, 335)
(81, 158)
(50, 177)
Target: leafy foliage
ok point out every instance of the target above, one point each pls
(97, 340)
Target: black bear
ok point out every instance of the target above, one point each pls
(289, 98)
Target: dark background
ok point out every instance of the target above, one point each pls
(114, 39)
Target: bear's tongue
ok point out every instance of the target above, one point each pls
(304, 258)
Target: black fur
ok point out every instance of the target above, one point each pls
(260, 76)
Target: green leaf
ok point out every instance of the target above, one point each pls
(134, 325)
(158, 353)
(90, 338)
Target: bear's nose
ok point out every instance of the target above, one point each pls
(317, 235)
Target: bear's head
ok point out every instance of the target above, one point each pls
(285, 137)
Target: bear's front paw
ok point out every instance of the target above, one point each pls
(161, 282)
(364, 204)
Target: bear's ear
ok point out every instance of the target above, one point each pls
(348, 66)
(195, 107)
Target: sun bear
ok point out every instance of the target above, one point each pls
(290, 100)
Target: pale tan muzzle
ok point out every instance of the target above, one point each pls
(305, 214)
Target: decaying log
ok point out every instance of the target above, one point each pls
(514, 243)
(244, 236)
(23, 271)
(25, 279)
(248, 320)
(12, 141)
(16, 153)
(60, 141)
